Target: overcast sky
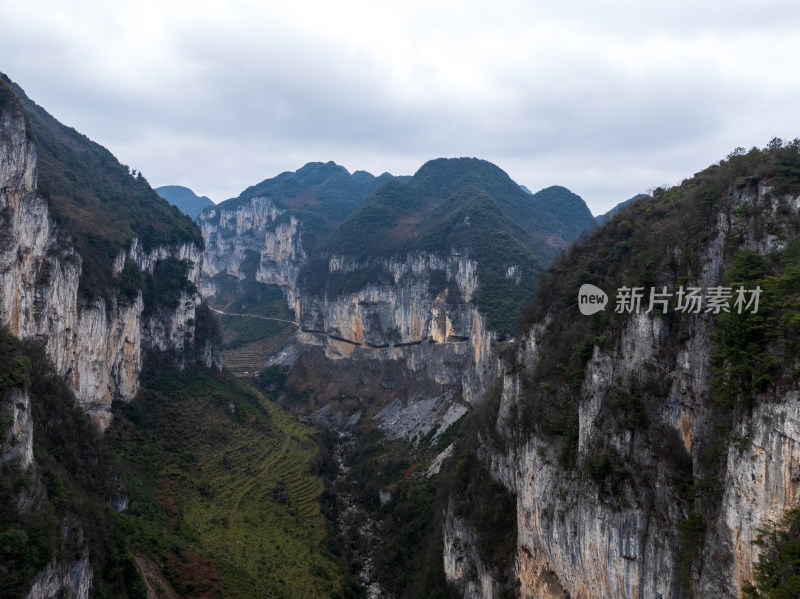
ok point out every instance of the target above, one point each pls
(608, 98)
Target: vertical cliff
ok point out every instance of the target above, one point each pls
(412, 325)
(646, 448)
(255, 239)
(96, 335)
(96, 274)
(266, 234)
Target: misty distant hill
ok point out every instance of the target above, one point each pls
(185, 199)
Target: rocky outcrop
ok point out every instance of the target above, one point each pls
(256, 238)
(97, 345)
(74, 577)
(574, 540)
(402, 308)
(571, 542)
(64, 577)
(461, 561)
(18, 442)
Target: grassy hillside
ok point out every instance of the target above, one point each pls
(223, 496)
(222, 490)
(102, 203)
(255, 324)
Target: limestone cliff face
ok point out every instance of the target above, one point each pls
(68, 576)
(97, 347)
(461, 561)
(396, 318)
(414, 320)
(74, 577)
(400, 312)
(257, 229)
(572, 543)
(17, 446)
(575, 541)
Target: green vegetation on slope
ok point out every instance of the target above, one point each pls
(248, 337)
(320, 195)
(408, 562)
(220, 482)
(99, 201)
(777, 570)
(406, 559)
(399, 214)
(71, 484)
(221, 489)
(569, 216)
(636, 247)
(603, 218)
(657, 242)
(7, 96)
(249, 329)
(461, 204)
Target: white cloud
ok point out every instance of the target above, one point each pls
(607, 98)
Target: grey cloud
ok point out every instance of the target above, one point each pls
(607, 103)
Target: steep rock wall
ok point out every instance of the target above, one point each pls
(17, 446)
(258, 228)
(414, 320)
(98, 347)
(74, 577)
(461, 562)
(64, 576)
(574, 540)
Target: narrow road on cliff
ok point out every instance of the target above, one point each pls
(254, 316)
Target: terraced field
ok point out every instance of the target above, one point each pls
(250, 333)
(221, 490)
(248, 340)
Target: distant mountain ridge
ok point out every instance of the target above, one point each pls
(571, 214)
(430, 192)
(321, 194)
(461, 204)
(601, 219)
(185, 199)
